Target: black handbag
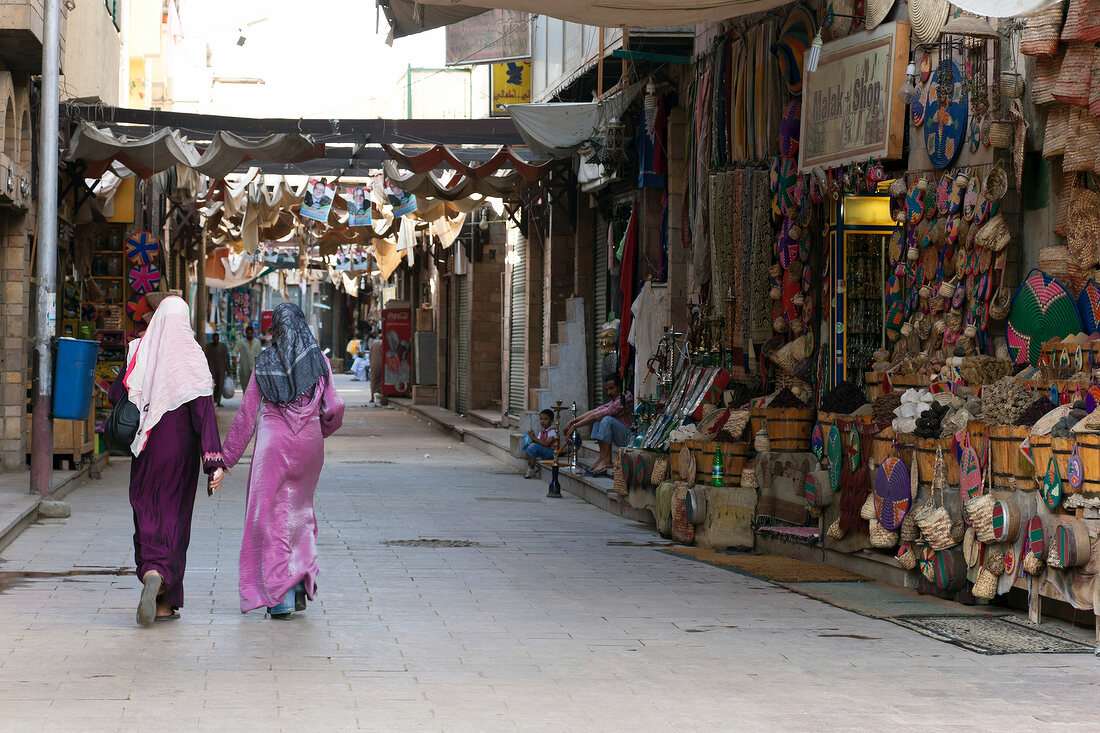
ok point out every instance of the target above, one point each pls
(122, 425)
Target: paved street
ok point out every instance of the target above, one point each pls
(547, 615)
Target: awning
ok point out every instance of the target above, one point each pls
(615, 13)
(408, 17)
(167, 147)
(557, 129)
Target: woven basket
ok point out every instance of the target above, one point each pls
(935, 526)
(996, 183)
(881, 537)
(909, 531)
(980, 511)
(971, 548)
(1083, 142)
(994, 561)
(1083, 227)
(1056, 262)
(1057, 131)
(1032, 565)
(1000, 134)
(906, 557)
(834, 531)
(1075, 76)
(1082, 21)
(761, 442)
(1043, 32)
(618, 480)
(660, 470)
(867, 511)
(994, 235)
(985, 586)
(748, 476)
(1046, 76)
(898, 188)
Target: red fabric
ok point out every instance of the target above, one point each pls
(439, 154)
(626, 286)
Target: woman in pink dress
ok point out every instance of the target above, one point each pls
(292, 395)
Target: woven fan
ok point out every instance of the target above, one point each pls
(926, 562)
(892, 494)
(794, 38)
(835, 451)
(945, 128)
(1042, 308)
(970, 473)
(1088, 307)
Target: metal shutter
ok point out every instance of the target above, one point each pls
(462, 345)
(599, 311)
(517, 329)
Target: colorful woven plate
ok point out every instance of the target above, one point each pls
(794, 38)
(1042, 308)
(851, 449)
(1088, 307)
(144, 279)
(1075, 471)
(142, 248)
(892, 493)
(1052, 485)
(945, 127)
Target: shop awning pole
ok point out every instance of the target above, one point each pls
(46, 313)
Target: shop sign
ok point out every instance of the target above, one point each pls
(496, 35)
(511, 85)
(850, 108)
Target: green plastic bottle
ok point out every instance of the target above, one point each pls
(716, 468)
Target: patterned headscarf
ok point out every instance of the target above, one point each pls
(293, 364)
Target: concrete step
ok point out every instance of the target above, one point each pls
(563, 332)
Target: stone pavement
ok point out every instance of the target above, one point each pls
(547, 614)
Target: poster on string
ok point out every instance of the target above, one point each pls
(318, 200)
(358, 206)
(403, 203)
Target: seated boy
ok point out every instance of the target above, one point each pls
(540, 447)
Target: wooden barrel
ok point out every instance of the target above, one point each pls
(1041, 452)
(789, 429)
(926, 461)
(976, 429)
(873, 381)
(1088, 448)
(1010, 469)
(903, 382)
(882, 444)
(734, 456)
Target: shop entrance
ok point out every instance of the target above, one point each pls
(860, 270)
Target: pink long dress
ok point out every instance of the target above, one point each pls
(279, 547)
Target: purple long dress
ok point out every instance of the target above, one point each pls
(163, 482)
(279, 547)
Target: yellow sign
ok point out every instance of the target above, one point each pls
(511, 84)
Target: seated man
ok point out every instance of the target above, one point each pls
(611, 423)
(540, 446)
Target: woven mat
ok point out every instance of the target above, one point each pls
(997, 634)
(767, 567)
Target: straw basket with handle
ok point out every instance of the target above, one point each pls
(933, 519)
(881, 537)
(985, 585)
(1043, 32)
(979, 510)
(906, 557)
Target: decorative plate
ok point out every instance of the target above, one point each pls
(945, 128)
(817, 442)
(926, 562)
(836, 455)
(892, 493)
(1034, 540)
(144, 279)
(1088, 306)
(1042, 308)
(1052, 485)
(1075, 471)
(142, 248)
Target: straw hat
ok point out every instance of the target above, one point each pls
(840, 26)
(876, 11)
(927, 18)
(970, 27)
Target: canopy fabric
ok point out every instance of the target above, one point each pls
(167, 147)
(1004, 8)
(440, 154)
(408, 17)
(557, 129)
(612, 13)
(458, 187)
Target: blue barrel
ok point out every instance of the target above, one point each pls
(74, 377)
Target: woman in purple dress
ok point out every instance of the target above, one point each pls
(292, 407)
(168, 381)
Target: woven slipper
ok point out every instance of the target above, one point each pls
(147, 606)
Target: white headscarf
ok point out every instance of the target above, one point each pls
(165, 368)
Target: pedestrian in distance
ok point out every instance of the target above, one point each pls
(167, 379)
(217, 359)
(248, 349)
(540, 446)
(611, 423)
(292, 406)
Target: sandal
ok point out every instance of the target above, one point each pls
(170, 617)
(147, 606)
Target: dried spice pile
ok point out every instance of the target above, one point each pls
(844, 399)
(1004, 400)
(785, 398)
(1034, 412)
(882, 409)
